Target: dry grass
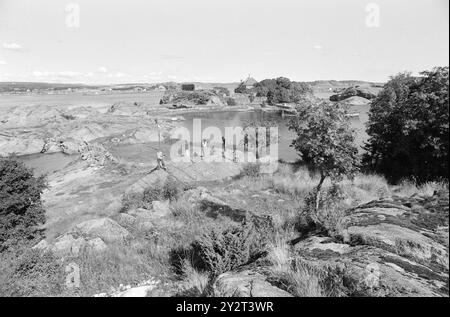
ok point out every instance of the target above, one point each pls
(279, 255)
(408, 188)
(183, 209)
(292, 274)
(302, 281)
(194, 283)
(363, 188)
(298, 184)
(118, 265)
(258, 183)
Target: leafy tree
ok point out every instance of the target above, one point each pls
(241, 89)
(409, 126)
(282, 90)
(21, 210)
(325, 141)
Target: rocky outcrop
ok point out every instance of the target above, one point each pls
(246, 283)
(95, 154)
(213, 206)
(352, 92)
(70, 244)
(104, 228)
(154, 178)
(389, 247)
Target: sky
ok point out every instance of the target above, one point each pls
(127, 41)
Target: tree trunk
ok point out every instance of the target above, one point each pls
(318, 189)
(257, 145)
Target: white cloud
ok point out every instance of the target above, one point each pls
(117, 75)
(3, 62)
(63, 75)
(68, 74)
(102, 69)
(38, 73)
(318, 47)
(12, 46)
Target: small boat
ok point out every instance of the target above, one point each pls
(352, 115)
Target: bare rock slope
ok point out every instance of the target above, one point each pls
(391, 247)
(396, 246)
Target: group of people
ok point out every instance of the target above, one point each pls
(203, 148)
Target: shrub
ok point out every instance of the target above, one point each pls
(170, 190)
(251, 170)
(224, 250)
(132, 201)
(184, 209)
(68, 116)
(32, 273)
(231, 102)
(21, 210)
(329, 213)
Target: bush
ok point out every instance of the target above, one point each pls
(224, 250)
(231, 102)
(328, 215)
(169, 190)
(21, 210)
(251, 170)
(32, 273)
(68, 116)
(133, 201)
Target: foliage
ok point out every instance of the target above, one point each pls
(221, 91)
(31, 273)
(329, 213)
(169, 190)
(251, 170)
(241, 89)
(224, 250)
(325, 140)
(282, 90)
(21, 210)
(409, 127)
(199, 97)
(231, 101)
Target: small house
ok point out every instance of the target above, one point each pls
(188, 87)
(249, 83)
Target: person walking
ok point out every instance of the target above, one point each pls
(186, 148)
(159, 162)
(246, 143)
(223, 146)
(203, 147)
